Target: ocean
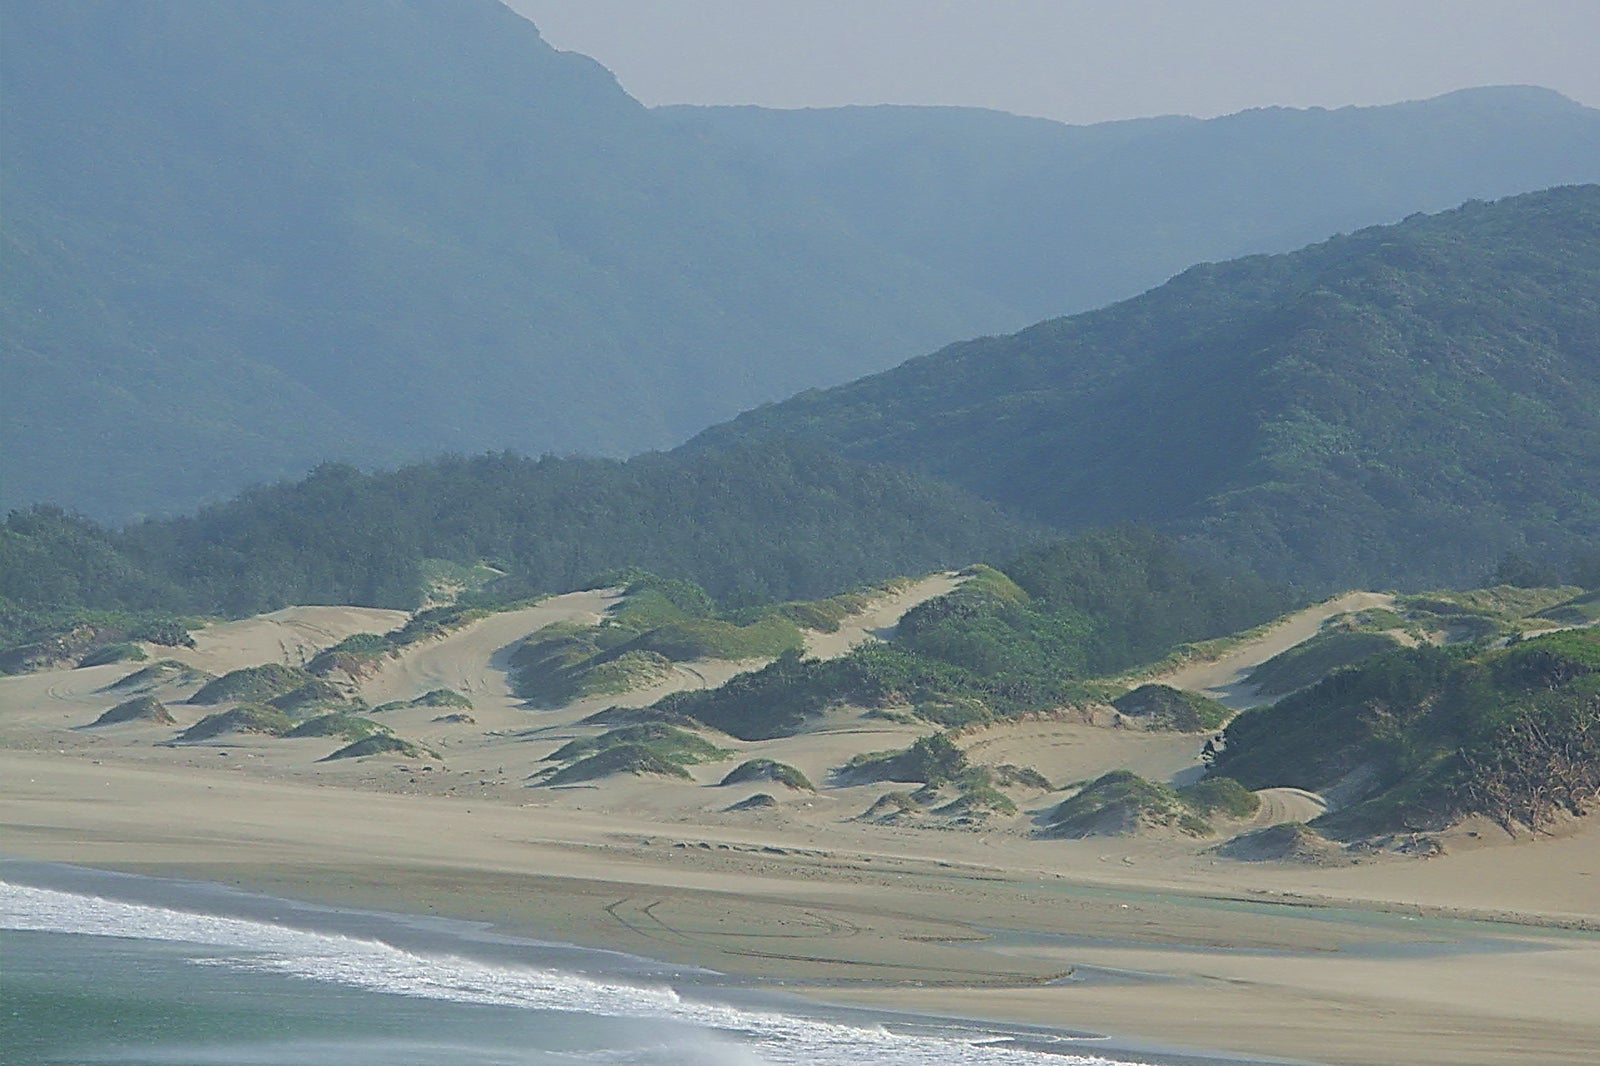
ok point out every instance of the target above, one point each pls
(98, 971)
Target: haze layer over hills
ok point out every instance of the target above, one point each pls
(1399, 406)
(243, 239)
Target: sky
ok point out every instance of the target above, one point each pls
(1078, 60)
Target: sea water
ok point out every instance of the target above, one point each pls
(88, 979)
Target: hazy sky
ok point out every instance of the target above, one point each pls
(1078, 60)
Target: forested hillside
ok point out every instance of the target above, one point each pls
(1402, 406)
(749, 524)
(242, 239)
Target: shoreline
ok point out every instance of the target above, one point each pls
(1166, 953)
(484, 942)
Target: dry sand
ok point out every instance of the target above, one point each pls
(1487, 954)
(1223, 678)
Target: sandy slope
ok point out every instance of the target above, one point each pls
(471, 660)
(878, 621)
(1223, 678)
(1067, 751)
(292, 635)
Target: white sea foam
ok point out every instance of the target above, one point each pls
(759, 1036)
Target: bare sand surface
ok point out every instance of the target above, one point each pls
(1487, 954)
(1223, 678)
(1147, 941)
(290, 636)
(879, 620)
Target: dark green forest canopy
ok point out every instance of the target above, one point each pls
(749, 524)
(1401, 406)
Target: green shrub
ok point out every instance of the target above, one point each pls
(620, 759)
(768, 770)
(1165, 707)
(1122, 802)
(160, 672)
(1220, 794)
(978, 799)
(349, 726)
(253, 683)
(140, 708)
(313, 693)
(442, 697)
(666, 741)
(934, 760)
(1311, 661)
(766, 638)
(248, 718)
(364, 644)
(114, 653)
(380, 744)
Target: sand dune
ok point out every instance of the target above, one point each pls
(1280, 805)
(1223, 678)
(1068, 752)
(878, 621)
(292, 636)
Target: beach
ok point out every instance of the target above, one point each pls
(1487, 953)
(1434, 964)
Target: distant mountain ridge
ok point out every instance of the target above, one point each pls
(1055, 219)
(242, 239)
(1401, 406)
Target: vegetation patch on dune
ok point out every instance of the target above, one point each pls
(313, 695)
(620, 759)
(1164, 707)
(1219, 795)
(351, 727)
(1029, 637)
(360, 654)
(658, 622)
(41, 634)
(442, 697)
(1437, 734)
(1581, 610)
(1286, 842)
(647, 748)
(768, 770)
(1310, 661)
(952, 787)
(665, 741)
(439, 697)
(160, 672)
(252, 684)
(118, 652)
(1119, 803)
(380, 744)
(933, 760)
(828, 615)
(759, 801)
(357, 655)
(138, 709)
(247, 718)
